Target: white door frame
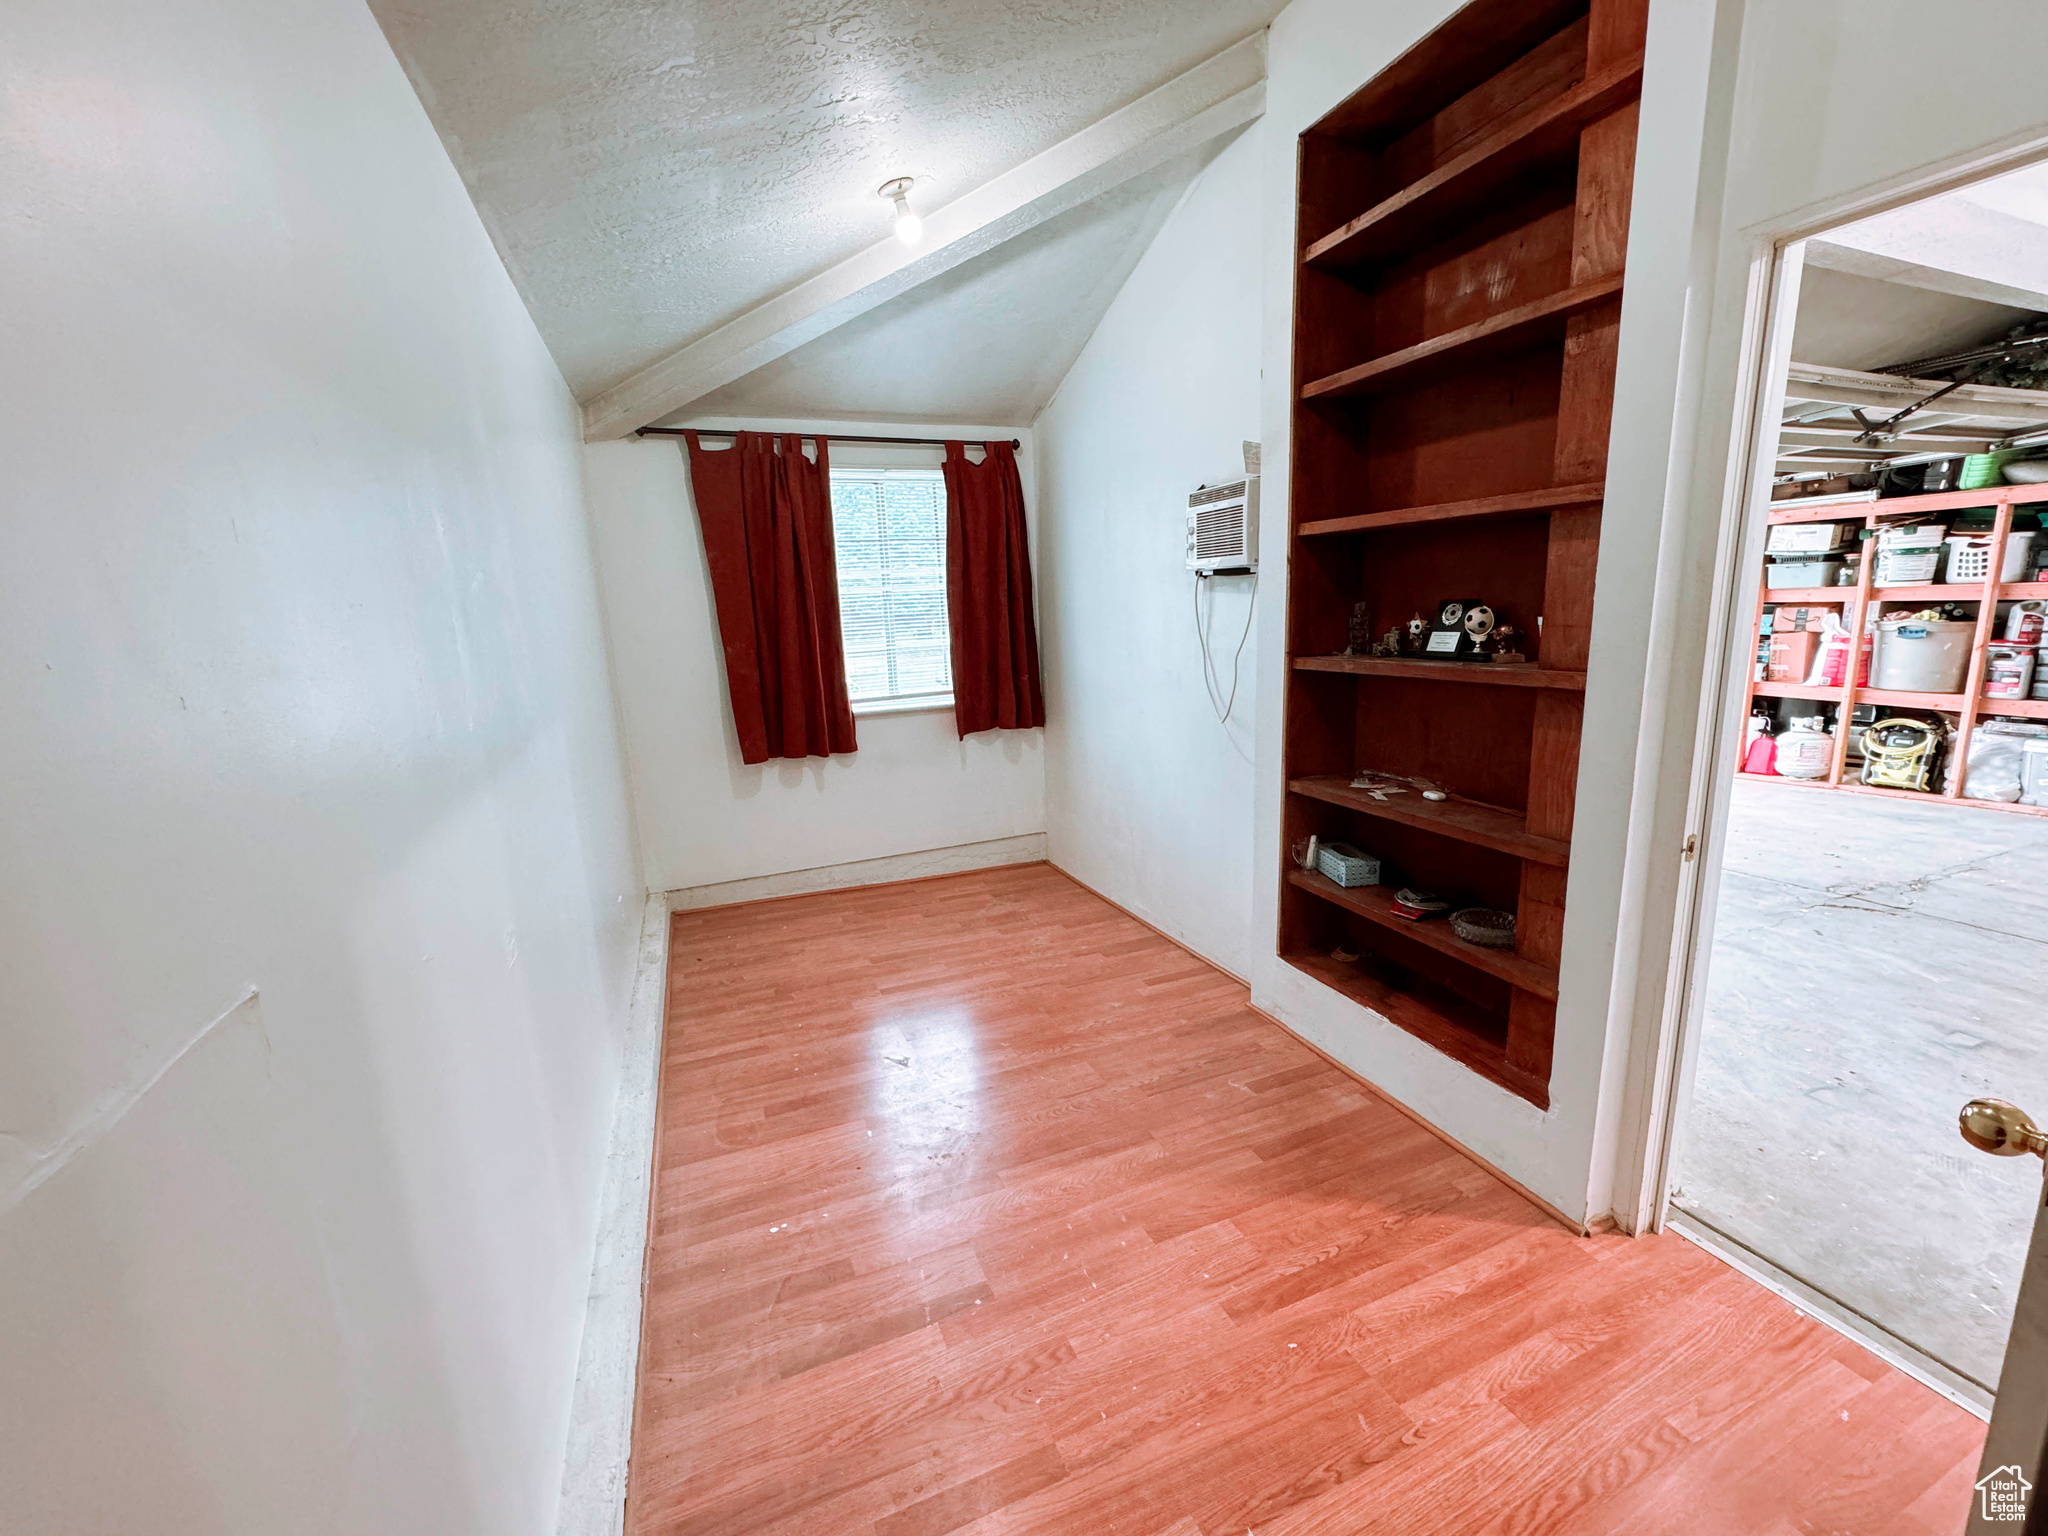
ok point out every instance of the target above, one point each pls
(1767, 262)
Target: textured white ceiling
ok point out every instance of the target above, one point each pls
(988, 341)
(651, 170)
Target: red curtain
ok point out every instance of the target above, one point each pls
(988, 594)
(766, 512)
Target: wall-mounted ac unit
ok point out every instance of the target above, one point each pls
(1223, 528)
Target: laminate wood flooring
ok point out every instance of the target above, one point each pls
(981, 1208)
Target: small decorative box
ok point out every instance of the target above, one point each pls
(1346, 865)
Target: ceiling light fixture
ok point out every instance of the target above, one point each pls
(909, 227)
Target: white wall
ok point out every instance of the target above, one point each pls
(704, 816)
(1148, 796)
(319, 895)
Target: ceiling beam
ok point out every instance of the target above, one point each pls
(1214, 98)
(1978, 404)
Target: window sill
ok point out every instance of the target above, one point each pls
(923, 704)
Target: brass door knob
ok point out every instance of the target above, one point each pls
(2002, 1129)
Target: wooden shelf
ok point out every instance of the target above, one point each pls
(1527, 325)
(1932, 592)
(1494, 163)
(1841, 512)
(1952, 702)
(1892, 508)
(1519, 674)
(1458, 1032)
(2023, 589)
(1375, 903)
(1466, 820)
(2018, 709)
(1822, 693)
(1475, 179)
(1831, 693)
(1515, 505)
(1922, 795)
(1799, 596)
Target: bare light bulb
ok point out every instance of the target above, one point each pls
(909, 227)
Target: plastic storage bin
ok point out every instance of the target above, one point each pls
(1802, 573)
(2034, 773)
(1920, 655)
(1346, 865)
(1969, 556)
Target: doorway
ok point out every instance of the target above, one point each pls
(1875, 951)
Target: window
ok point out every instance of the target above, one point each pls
(889, 534)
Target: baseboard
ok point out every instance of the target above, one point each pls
(600, 1444)
(1820, 1306)
(891, 870)
(1364, 1082)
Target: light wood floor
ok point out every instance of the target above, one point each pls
(981, 1208)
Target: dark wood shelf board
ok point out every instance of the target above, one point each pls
(1432, 1026)
(1513, 674)
(1467, 183)
(1517, 504)
(1466, 820)
(1375, 903)
(1526, 325)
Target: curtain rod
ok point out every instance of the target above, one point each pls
(830, 437)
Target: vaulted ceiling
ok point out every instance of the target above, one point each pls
(651, 172)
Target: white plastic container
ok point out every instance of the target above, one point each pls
(1802, 572)
(1804, 749)
(1969, 557)
(2008, 671)
(2034, 773)
(1920, 655)
(2026, 622)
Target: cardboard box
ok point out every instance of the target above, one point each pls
(1792, 653)
(1814, 618)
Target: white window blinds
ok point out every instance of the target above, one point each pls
(889, 537)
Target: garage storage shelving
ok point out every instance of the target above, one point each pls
(1461, 227)
(1962, 710)
(1825, 430)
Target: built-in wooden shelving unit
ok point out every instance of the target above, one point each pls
(1858, 603)
(1461, 228)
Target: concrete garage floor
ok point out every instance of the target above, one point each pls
(1876, 963)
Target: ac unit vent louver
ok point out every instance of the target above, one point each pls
(1223, 527)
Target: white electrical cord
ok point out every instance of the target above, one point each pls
(1211, 684)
